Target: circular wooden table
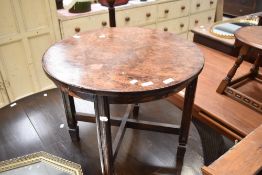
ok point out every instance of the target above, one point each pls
(123, 66)
(248, 40)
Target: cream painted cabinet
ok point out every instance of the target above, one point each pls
(27, 29)
(136, 16)
(3, 94)
(178, 26)
(178, 16)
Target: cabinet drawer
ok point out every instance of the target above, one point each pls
(136, 17)
(202, 5)
(201, 19)
(173, 9)
(179, 25)
(183, 35)
(151, 26)
(70, 27)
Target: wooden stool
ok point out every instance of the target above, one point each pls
(123, 66)
(249, 39)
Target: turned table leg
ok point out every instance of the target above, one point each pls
(103, 124)
(225, 82)
(186, 117)
(255, 68)
(70, 116)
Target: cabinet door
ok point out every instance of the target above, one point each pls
(3, 94)
(15, 70)
(28, 30)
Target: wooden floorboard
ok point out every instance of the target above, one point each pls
(35, 124)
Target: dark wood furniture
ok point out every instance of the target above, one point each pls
(248, 39)
(243, 159)
(203, 36)
(123, 66)
(225, 115)
(215, 114)
(241, 7)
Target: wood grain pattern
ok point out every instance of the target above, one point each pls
(123, 60)
(243, 159)
(225, 112)
(251, 35)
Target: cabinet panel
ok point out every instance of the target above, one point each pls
(183, 35)
(151, 26)
(3, 94)
(137, 16)
(38, 45)
(16, 75)
(179, 25)
(8, 21)
(202, 18)
(84, 23)
(202, 5)
(173, 9)
(35, 14)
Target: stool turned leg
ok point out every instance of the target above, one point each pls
(255, 68)
(186, 117)
(136, 111)
(222, 86)
(70, 116)
(104, 139)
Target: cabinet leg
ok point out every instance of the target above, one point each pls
(103, 124)
(70, 116)
(187, 116)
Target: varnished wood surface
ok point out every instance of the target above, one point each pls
(243, 159)
(123, 60)
(38, 123)
(228, 116)
(251, 36)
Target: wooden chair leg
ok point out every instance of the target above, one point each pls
(225, 82)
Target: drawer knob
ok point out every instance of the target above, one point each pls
(183, 7)
(211, 2)
(209, 18)
(196, 21)
(77, 29)
(198, 4)
(104, 23)
(127, 19)
(166, 11)
(148, 15)
(182, 25)
(165, 29)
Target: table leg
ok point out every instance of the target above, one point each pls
(225, 82)
(255, 68)
(104, 139)
(136, 111)
(186, 117)
(70, 112)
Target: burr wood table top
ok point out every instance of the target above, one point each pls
(251, 36)
(114, 61)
